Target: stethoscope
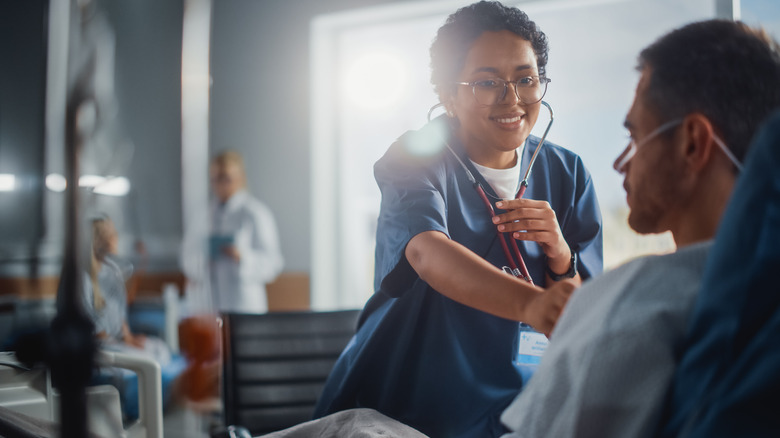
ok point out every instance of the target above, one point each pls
(517, 265)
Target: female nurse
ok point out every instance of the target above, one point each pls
(439, 343)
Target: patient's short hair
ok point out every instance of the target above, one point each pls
(723, 69)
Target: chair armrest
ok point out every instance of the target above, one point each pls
(171, 305)
(149, 387)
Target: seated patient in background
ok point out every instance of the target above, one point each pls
(703, 91)
(105, 302)
(105, 297)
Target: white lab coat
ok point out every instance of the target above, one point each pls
(236, 286)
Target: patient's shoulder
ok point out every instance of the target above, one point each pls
(647, 274)
(639, 293)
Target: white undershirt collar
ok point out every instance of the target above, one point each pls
(505, 182)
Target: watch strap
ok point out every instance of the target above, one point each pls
(568, 274)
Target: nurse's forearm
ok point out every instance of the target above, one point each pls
(459, 274)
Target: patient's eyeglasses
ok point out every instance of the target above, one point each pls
(633, 146)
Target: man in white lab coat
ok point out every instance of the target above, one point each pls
(243, 244)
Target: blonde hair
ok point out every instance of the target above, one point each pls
(98, 252)
(230, 162)
(229, 157)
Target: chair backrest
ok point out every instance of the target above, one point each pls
(275, 365)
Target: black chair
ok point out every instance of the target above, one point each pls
(275, 365)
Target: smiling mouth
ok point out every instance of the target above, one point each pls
(507, 119)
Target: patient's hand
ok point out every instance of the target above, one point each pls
(131, 339)
(136, 341)
(544, 309)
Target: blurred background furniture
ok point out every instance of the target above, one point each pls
(275, 365)
(29, 392)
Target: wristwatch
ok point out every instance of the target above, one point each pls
(568, 274)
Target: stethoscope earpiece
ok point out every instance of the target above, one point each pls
(433, 108)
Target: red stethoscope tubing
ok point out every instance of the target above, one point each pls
(519, 267)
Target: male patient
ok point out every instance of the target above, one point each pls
(703, 90)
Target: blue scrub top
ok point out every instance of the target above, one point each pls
(441, 367)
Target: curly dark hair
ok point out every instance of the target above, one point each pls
(455, 37)
(723, 69)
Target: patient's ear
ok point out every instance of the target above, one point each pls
(699, 141)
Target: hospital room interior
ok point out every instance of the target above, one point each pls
(114, 115)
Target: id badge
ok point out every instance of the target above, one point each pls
(531, 346)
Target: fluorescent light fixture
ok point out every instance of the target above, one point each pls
(101, 185)
(7, 182)
(113, 186)
(91, 180)
(56, 182)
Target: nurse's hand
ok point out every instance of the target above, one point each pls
(529, 219)
(544, 309)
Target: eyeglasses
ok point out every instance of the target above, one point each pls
(488, 92)
(633, 146)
